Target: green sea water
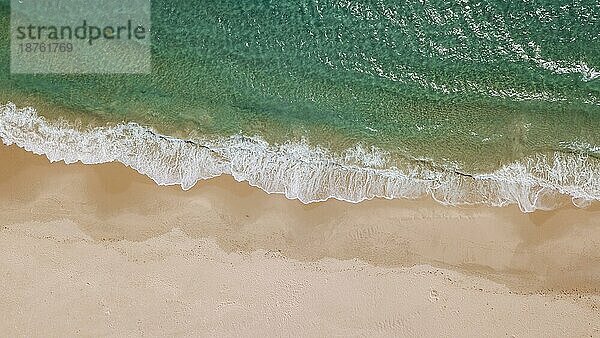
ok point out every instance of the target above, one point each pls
(469, 85)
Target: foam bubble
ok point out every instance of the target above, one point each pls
(302, 171)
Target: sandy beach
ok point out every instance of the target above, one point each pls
(103, 250)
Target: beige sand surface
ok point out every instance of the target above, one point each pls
(102, 250)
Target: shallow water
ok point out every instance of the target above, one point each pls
(470, 101)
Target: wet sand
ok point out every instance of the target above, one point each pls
(103, 250)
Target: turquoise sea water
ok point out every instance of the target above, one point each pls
(493, 102)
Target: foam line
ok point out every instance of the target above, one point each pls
(299, 170)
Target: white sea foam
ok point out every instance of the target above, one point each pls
(580, 146)
(299, 170)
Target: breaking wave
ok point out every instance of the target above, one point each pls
(301, 171)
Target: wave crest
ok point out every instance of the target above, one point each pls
(299, 170)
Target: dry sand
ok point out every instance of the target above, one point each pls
(102, 250)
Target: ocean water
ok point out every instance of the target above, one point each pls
(470, 102)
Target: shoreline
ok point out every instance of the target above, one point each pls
(93, 218)
(309, 173)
